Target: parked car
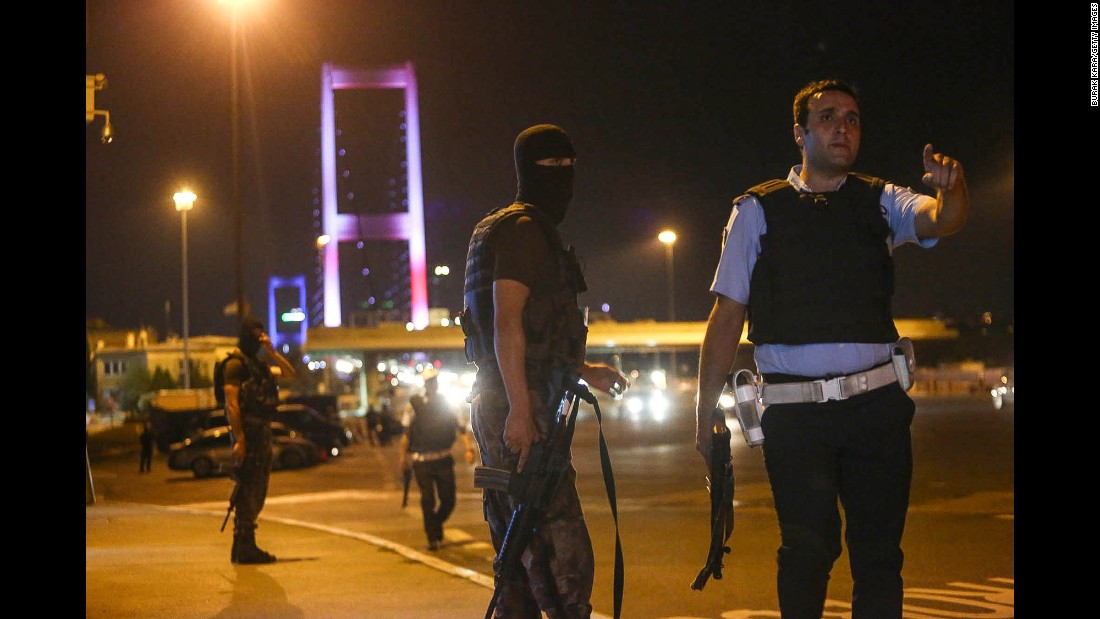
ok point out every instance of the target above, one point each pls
(327, 404)
(210, 452)
(330, 435)
(172, 426)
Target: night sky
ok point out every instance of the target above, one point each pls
(675, 108)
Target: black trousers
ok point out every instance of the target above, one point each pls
(856, 453)
(436, 480)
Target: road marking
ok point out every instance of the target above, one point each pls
(967, 601)
(409, 553)
(330, 495)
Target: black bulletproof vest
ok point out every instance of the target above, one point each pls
(554, 326)
(824, 273)
(259, 394)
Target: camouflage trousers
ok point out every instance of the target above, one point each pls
(252, 476)
(558, 563)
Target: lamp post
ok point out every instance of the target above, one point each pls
(668, 237)
(235, 7)
(321, 242)
(185, 201)
(440, 271)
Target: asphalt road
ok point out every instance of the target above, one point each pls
(959, 544)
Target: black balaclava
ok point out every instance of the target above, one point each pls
(550, 188)
(246, 341)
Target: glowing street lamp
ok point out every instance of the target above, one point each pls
(668, 237)
(185, 201)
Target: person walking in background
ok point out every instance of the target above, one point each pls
(146, 438)
(526, 333)
(432, 427)
(808, 261)
(373, 422)
(252, 373)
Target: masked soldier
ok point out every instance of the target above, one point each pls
(525, 332)
(251, 375)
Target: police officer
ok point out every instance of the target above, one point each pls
(432, 427)
(251, 395)
(525, 332)
(808, 260)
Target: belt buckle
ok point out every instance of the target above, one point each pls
(831, 389)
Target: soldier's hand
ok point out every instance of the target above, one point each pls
(605, 378)
(265, 342)
(520, 433)
(239, 452)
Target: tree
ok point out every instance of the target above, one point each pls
(199, 380)
(138, 381)
(131, 386)
(161, 379)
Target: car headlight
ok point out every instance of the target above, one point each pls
(658, 403)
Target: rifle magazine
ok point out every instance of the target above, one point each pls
(492, 479)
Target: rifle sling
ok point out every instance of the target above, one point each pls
(609, 483)
(499, 479)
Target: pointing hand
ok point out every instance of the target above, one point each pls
(940, 171)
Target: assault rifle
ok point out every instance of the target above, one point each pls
(721, 501)
(239, 475)
(535, 487)
(232, 496)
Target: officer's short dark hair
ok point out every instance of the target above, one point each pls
(802, 99)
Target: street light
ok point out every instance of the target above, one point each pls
(668, 237)
(235, 7)
(441, 271)
(185, 201)
(321, 241)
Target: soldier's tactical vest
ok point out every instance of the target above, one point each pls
(260, 392)
(824, 273)
(553, 325)
(433, 426)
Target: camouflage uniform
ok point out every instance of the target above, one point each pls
(558, 561)
(258, 398)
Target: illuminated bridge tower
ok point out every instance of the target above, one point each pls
(372, 202)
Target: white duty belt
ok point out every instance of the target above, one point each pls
(825, 389)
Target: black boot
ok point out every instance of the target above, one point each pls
(246, 552)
